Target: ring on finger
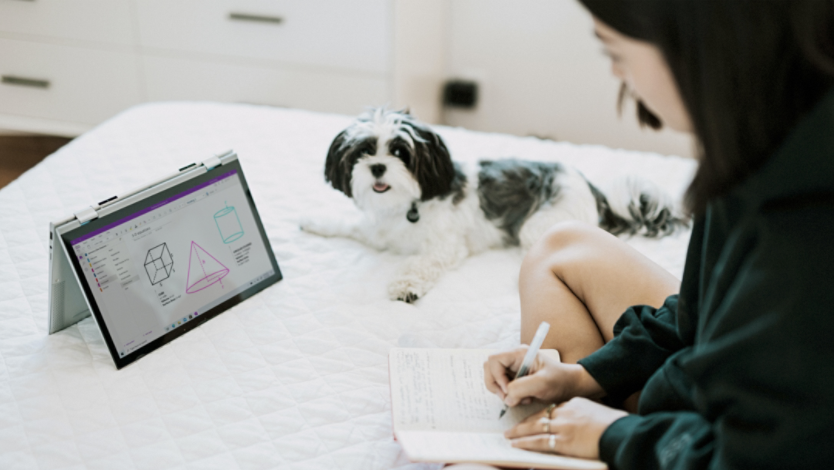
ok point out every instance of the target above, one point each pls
(550, 409)
(545, 424)
(551, 442)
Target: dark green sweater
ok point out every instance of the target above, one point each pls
(738, 370)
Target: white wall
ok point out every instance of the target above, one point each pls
(541, 72)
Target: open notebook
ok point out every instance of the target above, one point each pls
(443, 413)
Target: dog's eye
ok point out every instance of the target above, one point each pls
(401, 153)
(405, 156)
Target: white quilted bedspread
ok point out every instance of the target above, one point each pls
(295, 377)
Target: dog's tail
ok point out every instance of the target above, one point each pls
(637, 206)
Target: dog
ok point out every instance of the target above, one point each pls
(417, 201)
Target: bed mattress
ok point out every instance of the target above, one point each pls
(295, 377)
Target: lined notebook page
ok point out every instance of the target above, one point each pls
(443, 389)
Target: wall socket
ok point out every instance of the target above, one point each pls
(460, 94)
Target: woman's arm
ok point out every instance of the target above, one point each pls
(645, 337)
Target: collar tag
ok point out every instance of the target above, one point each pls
(413, 215)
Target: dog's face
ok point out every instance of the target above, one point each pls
(387, 160)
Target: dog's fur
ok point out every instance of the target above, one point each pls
(417, 201)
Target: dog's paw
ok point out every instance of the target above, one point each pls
(409, 298)
(405, 290)
(317, 227)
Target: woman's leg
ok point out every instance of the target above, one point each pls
(580, 279)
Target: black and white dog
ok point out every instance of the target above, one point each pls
(415, 200)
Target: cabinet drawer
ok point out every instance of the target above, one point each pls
(352, 35)
(65, 83)
(92, 20)
(182, 79)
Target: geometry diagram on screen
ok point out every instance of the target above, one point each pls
(228, 224)
(159, 264)
(203, 270)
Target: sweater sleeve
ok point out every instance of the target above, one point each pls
(644, 337)
(761, 375)
(658, 441)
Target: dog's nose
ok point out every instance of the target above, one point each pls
(378, 170)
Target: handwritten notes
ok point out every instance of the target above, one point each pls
(435, 390)
(444, 390)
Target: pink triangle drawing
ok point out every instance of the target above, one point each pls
(204, 269)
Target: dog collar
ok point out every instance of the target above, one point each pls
(413, 215)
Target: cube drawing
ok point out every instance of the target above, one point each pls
(159, 264)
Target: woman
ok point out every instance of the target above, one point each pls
(737, 370)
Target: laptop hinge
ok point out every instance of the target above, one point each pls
(211, 162)
(214, 161)
(86, 215)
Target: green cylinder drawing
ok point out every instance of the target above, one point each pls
(228, 224)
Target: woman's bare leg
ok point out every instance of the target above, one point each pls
(580, 279)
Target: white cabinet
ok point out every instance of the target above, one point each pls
(188, 79)
(344, 35)
(67, 65)
(69, 84)
(102, 21)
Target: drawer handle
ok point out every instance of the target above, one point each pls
(256, 18)
(23, 81)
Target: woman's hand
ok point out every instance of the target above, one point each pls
(547, 380)
(573, 428)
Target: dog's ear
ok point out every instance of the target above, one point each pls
(432, 163)
(337, 168)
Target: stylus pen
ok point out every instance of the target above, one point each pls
(535, 345)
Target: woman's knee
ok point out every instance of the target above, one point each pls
(568, 233)
(562, 244)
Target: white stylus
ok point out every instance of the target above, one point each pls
(541, 333)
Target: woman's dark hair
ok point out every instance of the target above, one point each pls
(747, 71)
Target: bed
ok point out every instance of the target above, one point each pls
(295, 377)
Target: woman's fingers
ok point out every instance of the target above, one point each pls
(496, 368)
(534, 433)
(539, 443)
(492, 382)
(530, 386)
(495, 377)
(536, 423)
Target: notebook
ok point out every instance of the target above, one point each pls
(442, 412)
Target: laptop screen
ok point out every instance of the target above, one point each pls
(158, 269)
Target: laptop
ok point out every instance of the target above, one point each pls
(154, 263)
